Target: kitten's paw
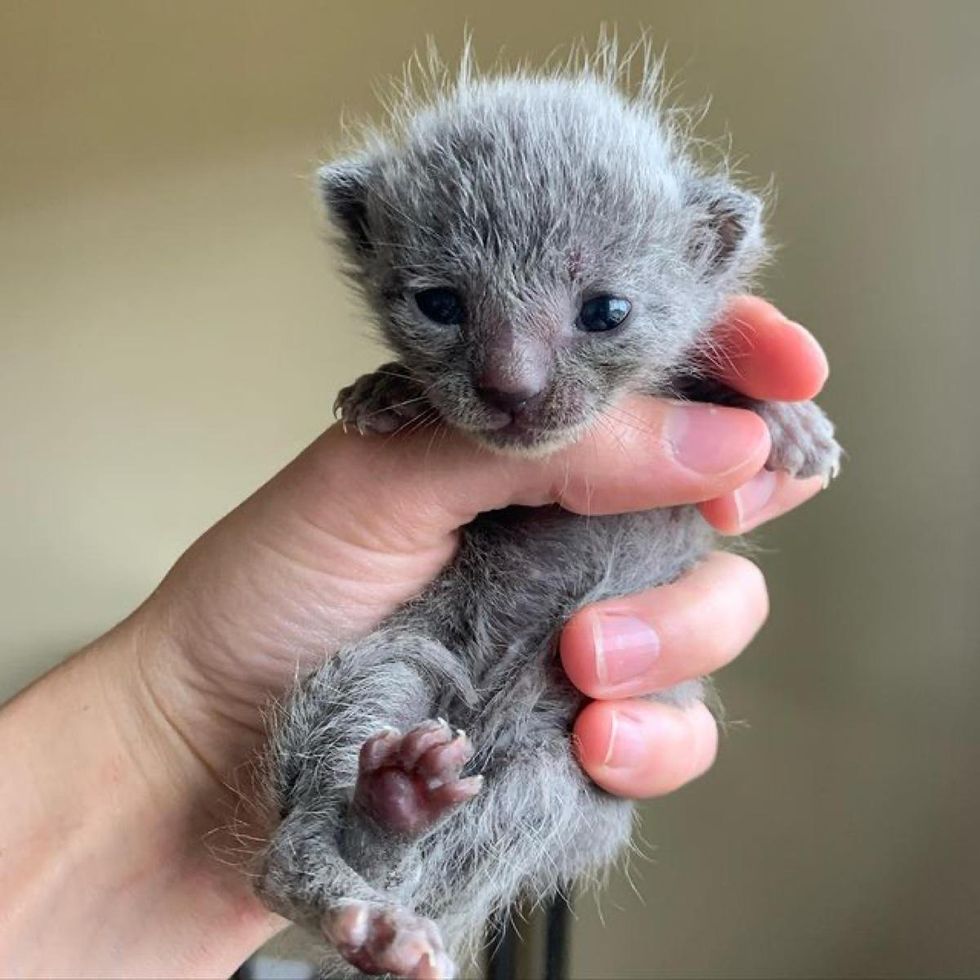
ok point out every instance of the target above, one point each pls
(381, 402)
(803, 442)
(407, 783)
(387, 939)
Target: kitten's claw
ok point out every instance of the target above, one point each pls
(831, 474)
(382, 402)
(387, 939)
(407, 783)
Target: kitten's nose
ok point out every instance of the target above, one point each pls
(511, 400)
(514, 373)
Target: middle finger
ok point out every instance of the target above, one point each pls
(644, 643)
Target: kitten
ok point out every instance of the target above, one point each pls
(533, 247)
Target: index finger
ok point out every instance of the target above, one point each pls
(759, 352)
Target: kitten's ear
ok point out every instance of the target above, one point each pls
(727, 227)
(344, 187)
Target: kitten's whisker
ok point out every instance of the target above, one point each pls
(629, 420)
(437, 430)
(428, 418)
(611, 429)
(415, 424)
(409, 425)
(719, 354)
(390, 408)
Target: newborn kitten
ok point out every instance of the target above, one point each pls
(533, 248)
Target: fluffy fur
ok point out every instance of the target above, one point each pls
(526, 194)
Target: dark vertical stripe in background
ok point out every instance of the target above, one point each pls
(557, 936)
(502, 943)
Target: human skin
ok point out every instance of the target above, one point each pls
(121, 763)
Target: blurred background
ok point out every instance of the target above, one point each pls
(172, 330)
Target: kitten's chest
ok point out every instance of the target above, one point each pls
(521, 573)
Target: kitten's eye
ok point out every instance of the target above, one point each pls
(603, 313)
(441, 305)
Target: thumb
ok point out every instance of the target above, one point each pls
(410, 491)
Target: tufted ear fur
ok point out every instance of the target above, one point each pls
(727, 232)
(345, 187)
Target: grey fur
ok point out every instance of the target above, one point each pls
(526, 193)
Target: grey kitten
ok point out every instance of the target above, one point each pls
(533, 247)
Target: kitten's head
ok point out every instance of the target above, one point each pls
(535, 247)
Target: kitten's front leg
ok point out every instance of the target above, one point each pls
(803, 442)
(383, 401)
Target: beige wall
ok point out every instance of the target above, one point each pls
(171, 330)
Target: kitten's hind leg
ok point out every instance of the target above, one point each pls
(408, 783)
(319, 869)
(388, 939)
(406, 786)
(369, 930)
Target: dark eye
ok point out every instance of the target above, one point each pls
(603, 313)
(441, 305)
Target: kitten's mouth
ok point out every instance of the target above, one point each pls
(526, 433)
(520, 438)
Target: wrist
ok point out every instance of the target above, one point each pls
(187, 759)
(112, 864)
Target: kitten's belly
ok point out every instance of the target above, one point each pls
(519, 576)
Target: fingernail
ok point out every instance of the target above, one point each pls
(814, 345)
(752, 497)
(625, 646)
(627, 747)
(709, 439)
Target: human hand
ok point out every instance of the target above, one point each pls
(357, 525)
(122, 761)
(619, 650)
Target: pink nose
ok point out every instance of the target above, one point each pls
(512, 400)
(514, 375)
